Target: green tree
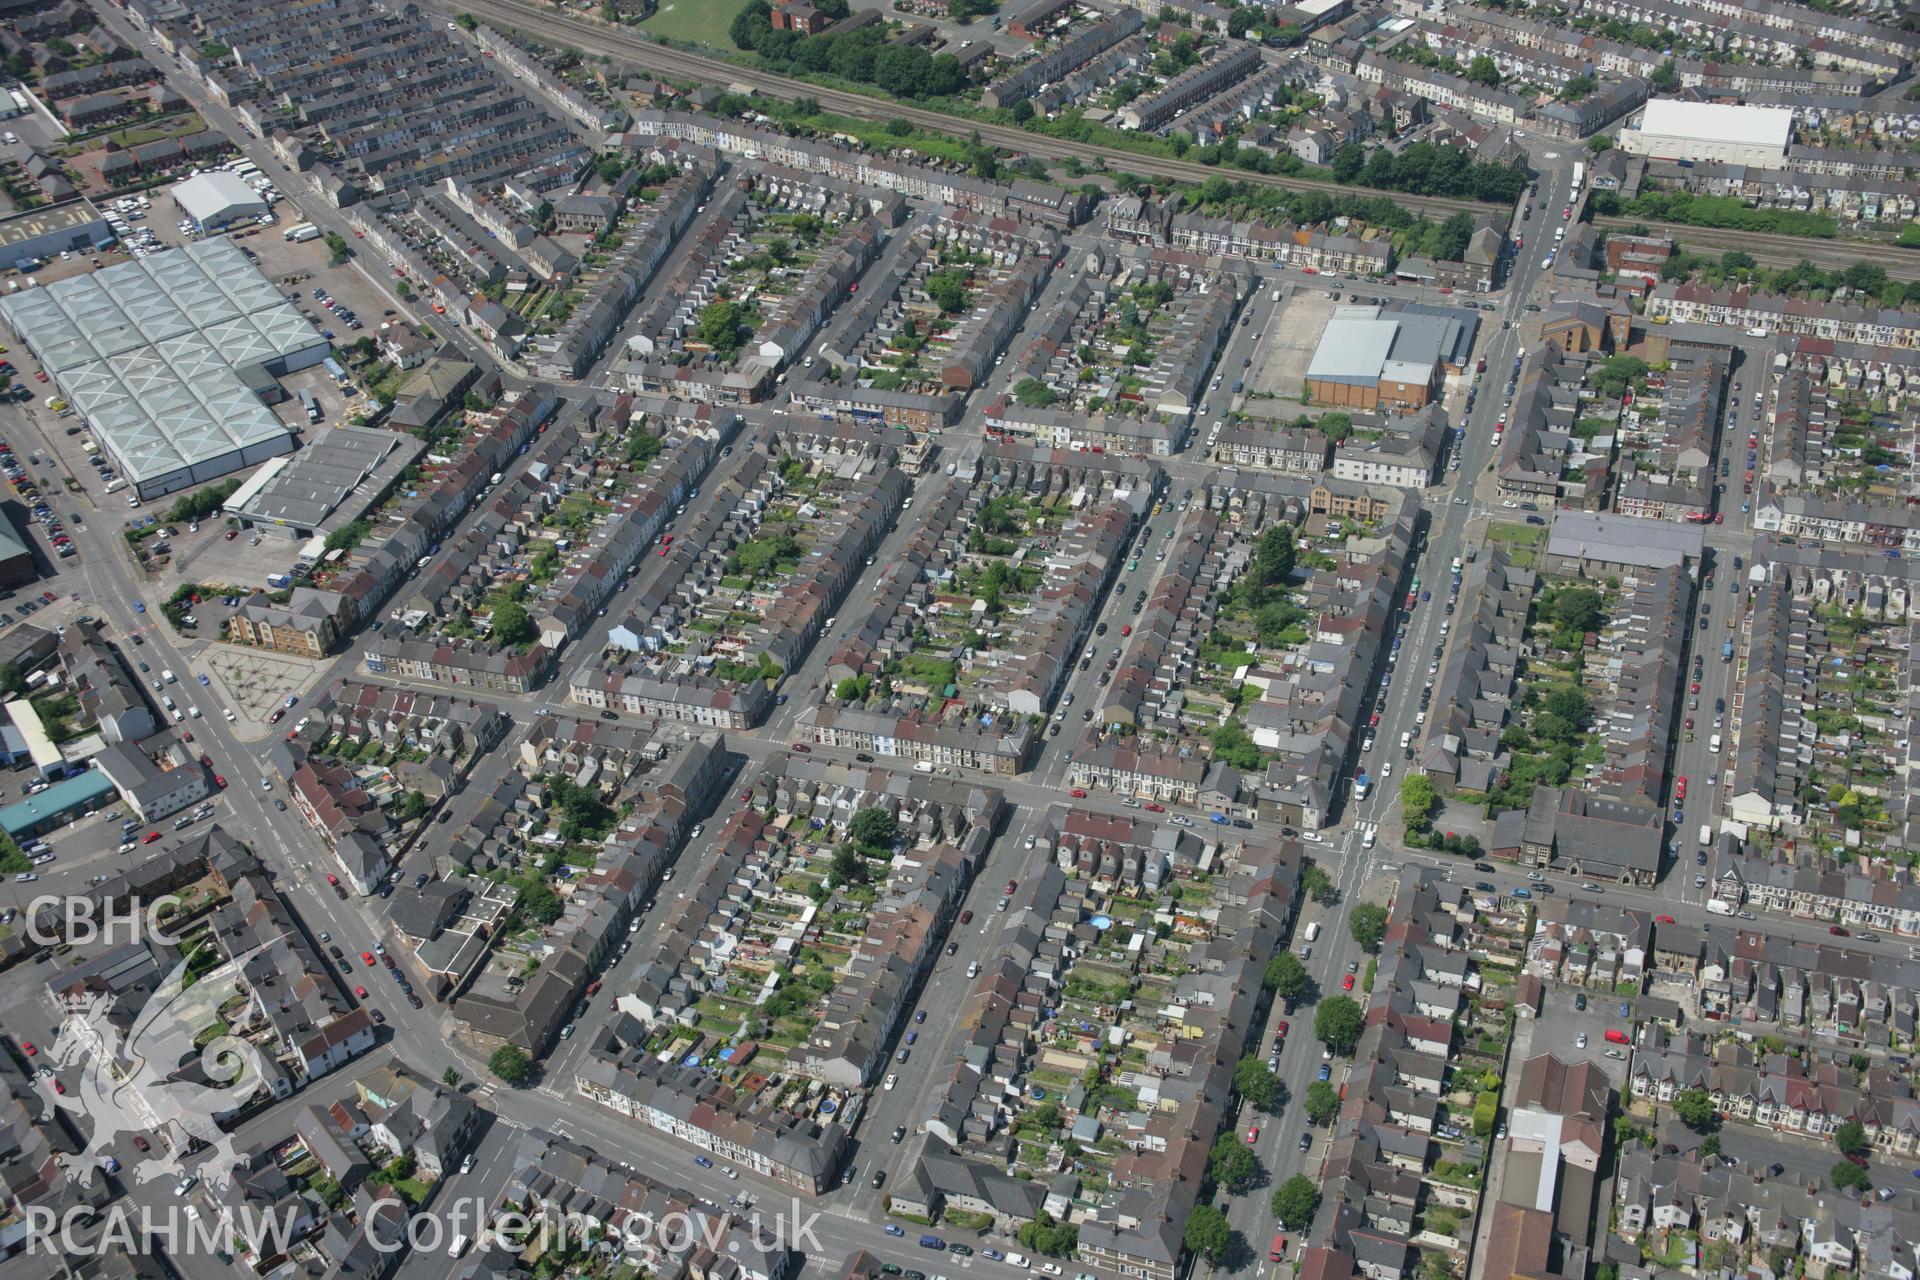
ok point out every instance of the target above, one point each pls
(1368, 923)
(1710, 1146)
(1418, 800)
(1320, 1102)
(1578, 88)
(1022, 111)
(1599, 142)
(722, 327)
(1231, 1163)
(1208, 1233)
(1241, 21)
(511, 1064)
(450, 1078)
(466, 20)
(11, 681)
(1295, 1201)
(1318, 885)
(874, 831)
(540, 903)
(13, 860)
(1851, 1138)
(1034, 393)
(1273, 559)
(1044, 1235)
(750, 24)
(1694, 1107)
(1287, 976)
(948, 289)
(414, 807)
(1335, 426)
(1483, 70)
(1486, 1112)
(1576, 608)
(348, 535)
(1848, 1176)
(1256, 1083)
(849, 866)
(511, 625)
(1337, 1023)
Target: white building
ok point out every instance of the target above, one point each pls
(216, 199)
(1674, 130)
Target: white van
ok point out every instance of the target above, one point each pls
(923, 766)
(1713, 744)
(1406, 740)
(1706, 834)
(1313, 931)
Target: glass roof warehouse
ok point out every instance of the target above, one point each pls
(171, 360)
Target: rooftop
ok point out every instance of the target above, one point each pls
(39, 222)
(161, 354)
(1651, 544)
(1742, 126)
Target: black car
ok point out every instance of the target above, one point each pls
(879, 1177)
(1486, 886)
(1100, 629)
(420, 880)
(863, 757)
(1580, 1002)
(899, 1134)
(608, 715)
(336, 952)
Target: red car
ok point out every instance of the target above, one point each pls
(1078, 793)
(1663, 919)
(1126, 629)
(40, 374)
(332, 878)
(368, 957)
(1346, 983)
(1696, 686)
(1012, 885)
(1720, 517)
(1253, 1133)
(1680, 788)
(1154, 808)
(802, 748)
(232, 534)
(220, 781)
(746, 795)
(26, 1047)
(58, 1087)
(1837, 931)
(593, 987)
(140, 1143)
(1280, 1032)
(361, 992)
(966, 917)
(150, 837)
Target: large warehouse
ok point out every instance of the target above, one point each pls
(43, 233)
(171, 359)
(1711, 131)
(1372, 359)
(217, 198)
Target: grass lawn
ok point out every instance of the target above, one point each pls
(701, 21)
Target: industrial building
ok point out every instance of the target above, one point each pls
(171, 359)
(331, 482)
(1711, 131)
(46, 233)
(216, 199)
(1372, 359)
(16, 558)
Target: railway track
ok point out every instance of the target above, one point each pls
(1772, 250)
(594, 38)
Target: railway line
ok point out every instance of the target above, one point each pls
(561, 29)
(1772, 250)
(1767, 248)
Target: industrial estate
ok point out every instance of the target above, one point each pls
(1046, 638)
